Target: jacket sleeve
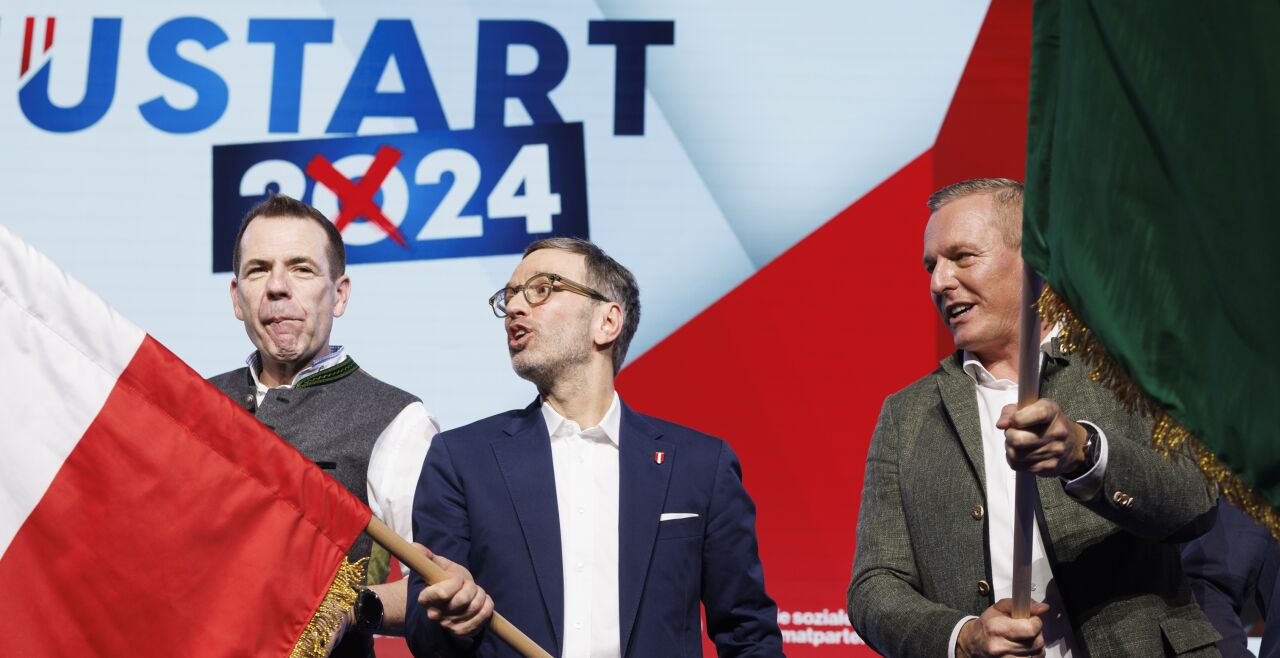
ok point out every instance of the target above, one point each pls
(1156, 497)
(741, 618)
(440, 524)
(884, 599)
(1224, 569)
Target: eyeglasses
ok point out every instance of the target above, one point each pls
(537, 289)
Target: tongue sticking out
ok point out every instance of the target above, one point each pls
(284, 333)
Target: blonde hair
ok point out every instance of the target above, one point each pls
(1006, 196)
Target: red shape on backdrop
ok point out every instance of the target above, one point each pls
(356, 199)
(793, 365)
(791, 368)
(26, 46)
(984, 134)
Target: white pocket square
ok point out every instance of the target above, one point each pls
(672, 516)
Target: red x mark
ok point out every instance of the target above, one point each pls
(356, 199)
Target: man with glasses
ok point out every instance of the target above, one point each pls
(596, 529)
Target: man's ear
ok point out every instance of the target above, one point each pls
(343, 293)
(608, 325)
(235, 300)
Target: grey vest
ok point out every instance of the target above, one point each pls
(332, 417)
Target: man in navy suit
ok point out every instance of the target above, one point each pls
(595, 530)
(1236, 561)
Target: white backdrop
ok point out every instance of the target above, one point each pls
(762, 121)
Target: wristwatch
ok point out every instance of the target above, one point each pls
(368, 611)
(1092, 448)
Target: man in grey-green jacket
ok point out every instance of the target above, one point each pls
(933, 567)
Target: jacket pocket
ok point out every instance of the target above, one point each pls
(679, 528)
(1190, 635)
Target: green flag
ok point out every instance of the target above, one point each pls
(1152, 211)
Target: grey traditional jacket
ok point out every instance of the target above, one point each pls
(333, 417)
(922, 560)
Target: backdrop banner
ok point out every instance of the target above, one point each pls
(762, 170)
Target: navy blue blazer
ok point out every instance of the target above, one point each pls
(1234, 562)
(487, 499)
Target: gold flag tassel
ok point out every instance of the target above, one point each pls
(1167, 435)
(341, 598)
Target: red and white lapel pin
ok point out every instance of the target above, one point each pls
(659, 457)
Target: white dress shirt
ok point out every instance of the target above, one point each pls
(398, 453)
(993, 394)
(586, 472)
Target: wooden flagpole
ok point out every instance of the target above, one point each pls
(407, 554)
(1026, 496)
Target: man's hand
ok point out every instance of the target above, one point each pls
(457, 603)
(1041, 440)
(997, 633)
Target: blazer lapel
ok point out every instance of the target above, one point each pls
(961, 404)
(642, 492)
(524, 456)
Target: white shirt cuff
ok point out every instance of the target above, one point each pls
(1087, 486)
(955, 634)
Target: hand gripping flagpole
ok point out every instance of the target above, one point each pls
(406, 553)
(1026, 496)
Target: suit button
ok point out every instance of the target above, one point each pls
(976, 512)
(984, 587)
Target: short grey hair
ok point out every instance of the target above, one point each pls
(1006, 196)
(611, 279)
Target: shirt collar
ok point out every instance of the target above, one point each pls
(337, 354)
(978, 372)
(608, 428)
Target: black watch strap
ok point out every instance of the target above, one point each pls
(1092, 449)
(368, 611)
(1092, 446)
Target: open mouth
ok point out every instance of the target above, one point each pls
(518, 335)
(956, 310)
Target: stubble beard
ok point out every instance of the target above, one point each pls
(558, 361)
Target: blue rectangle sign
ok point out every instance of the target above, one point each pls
(442, 194)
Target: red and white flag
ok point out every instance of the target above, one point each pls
(142, 512)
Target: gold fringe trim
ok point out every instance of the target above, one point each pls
(1167, 435)
(314, 642)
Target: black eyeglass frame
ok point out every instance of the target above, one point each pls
(498, 301)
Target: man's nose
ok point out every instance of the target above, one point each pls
(943, 277)
(518, 306)
(277, 284)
